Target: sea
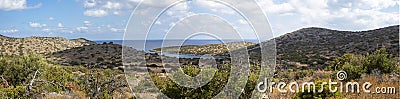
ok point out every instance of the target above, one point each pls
(152, 44)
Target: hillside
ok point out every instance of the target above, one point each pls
(97, 55)
(316, 46)
(213, 49)
(38, 45)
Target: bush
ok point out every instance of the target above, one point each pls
(380, 60)
(356, 65)
(12, 93)
(100, 59)
(211, 89)
(17, 70)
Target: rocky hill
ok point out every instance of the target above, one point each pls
(316, 46)
(105, 55)
(38, 45)
(213, 49)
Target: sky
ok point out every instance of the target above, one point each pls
(107, 19)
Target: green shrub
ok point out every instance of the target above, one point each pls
(17, 70)
(12, 93)
(100, 59)
(211, 89)
(356, 65)
(380, 60)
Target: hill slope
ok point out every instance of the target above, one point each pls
(213, 49)
(38, 45)
(316, 46)
(97, 55)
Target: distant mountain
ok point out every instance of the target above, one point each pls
(38, 45)
(316, 46)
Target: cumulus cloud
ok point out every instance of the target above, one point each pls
(179, 11)
(89, 4)
(8, 5)
(285, 15)
(95, 13)
(101, 8)
(216, 7)
(112, 5)
(36, 25)
(272, 7)
(337, 14)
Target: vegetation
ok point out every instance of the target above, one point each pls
(356, 65)
(325, 93)
(302, 53)
(212, 49)
(211, 89)
(32, 76)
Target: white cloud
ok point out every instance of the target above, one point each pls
(51, 18)
(82, 28)
(95, 13)
(89, 4)
(112, 5)
(242, 21)
(114, 29)
(271, 7)
(60, 25)
(179, 11)
(9, 31)
(336, 14)
(87, 23)
(116, 13)
(36, 25)
(8, 5)
(117, 30)
(172, 24)
(285, 15)
(216, 7)
(101, 8)
(158, 22)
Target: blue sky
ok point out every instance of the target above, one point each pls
(107, 19)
